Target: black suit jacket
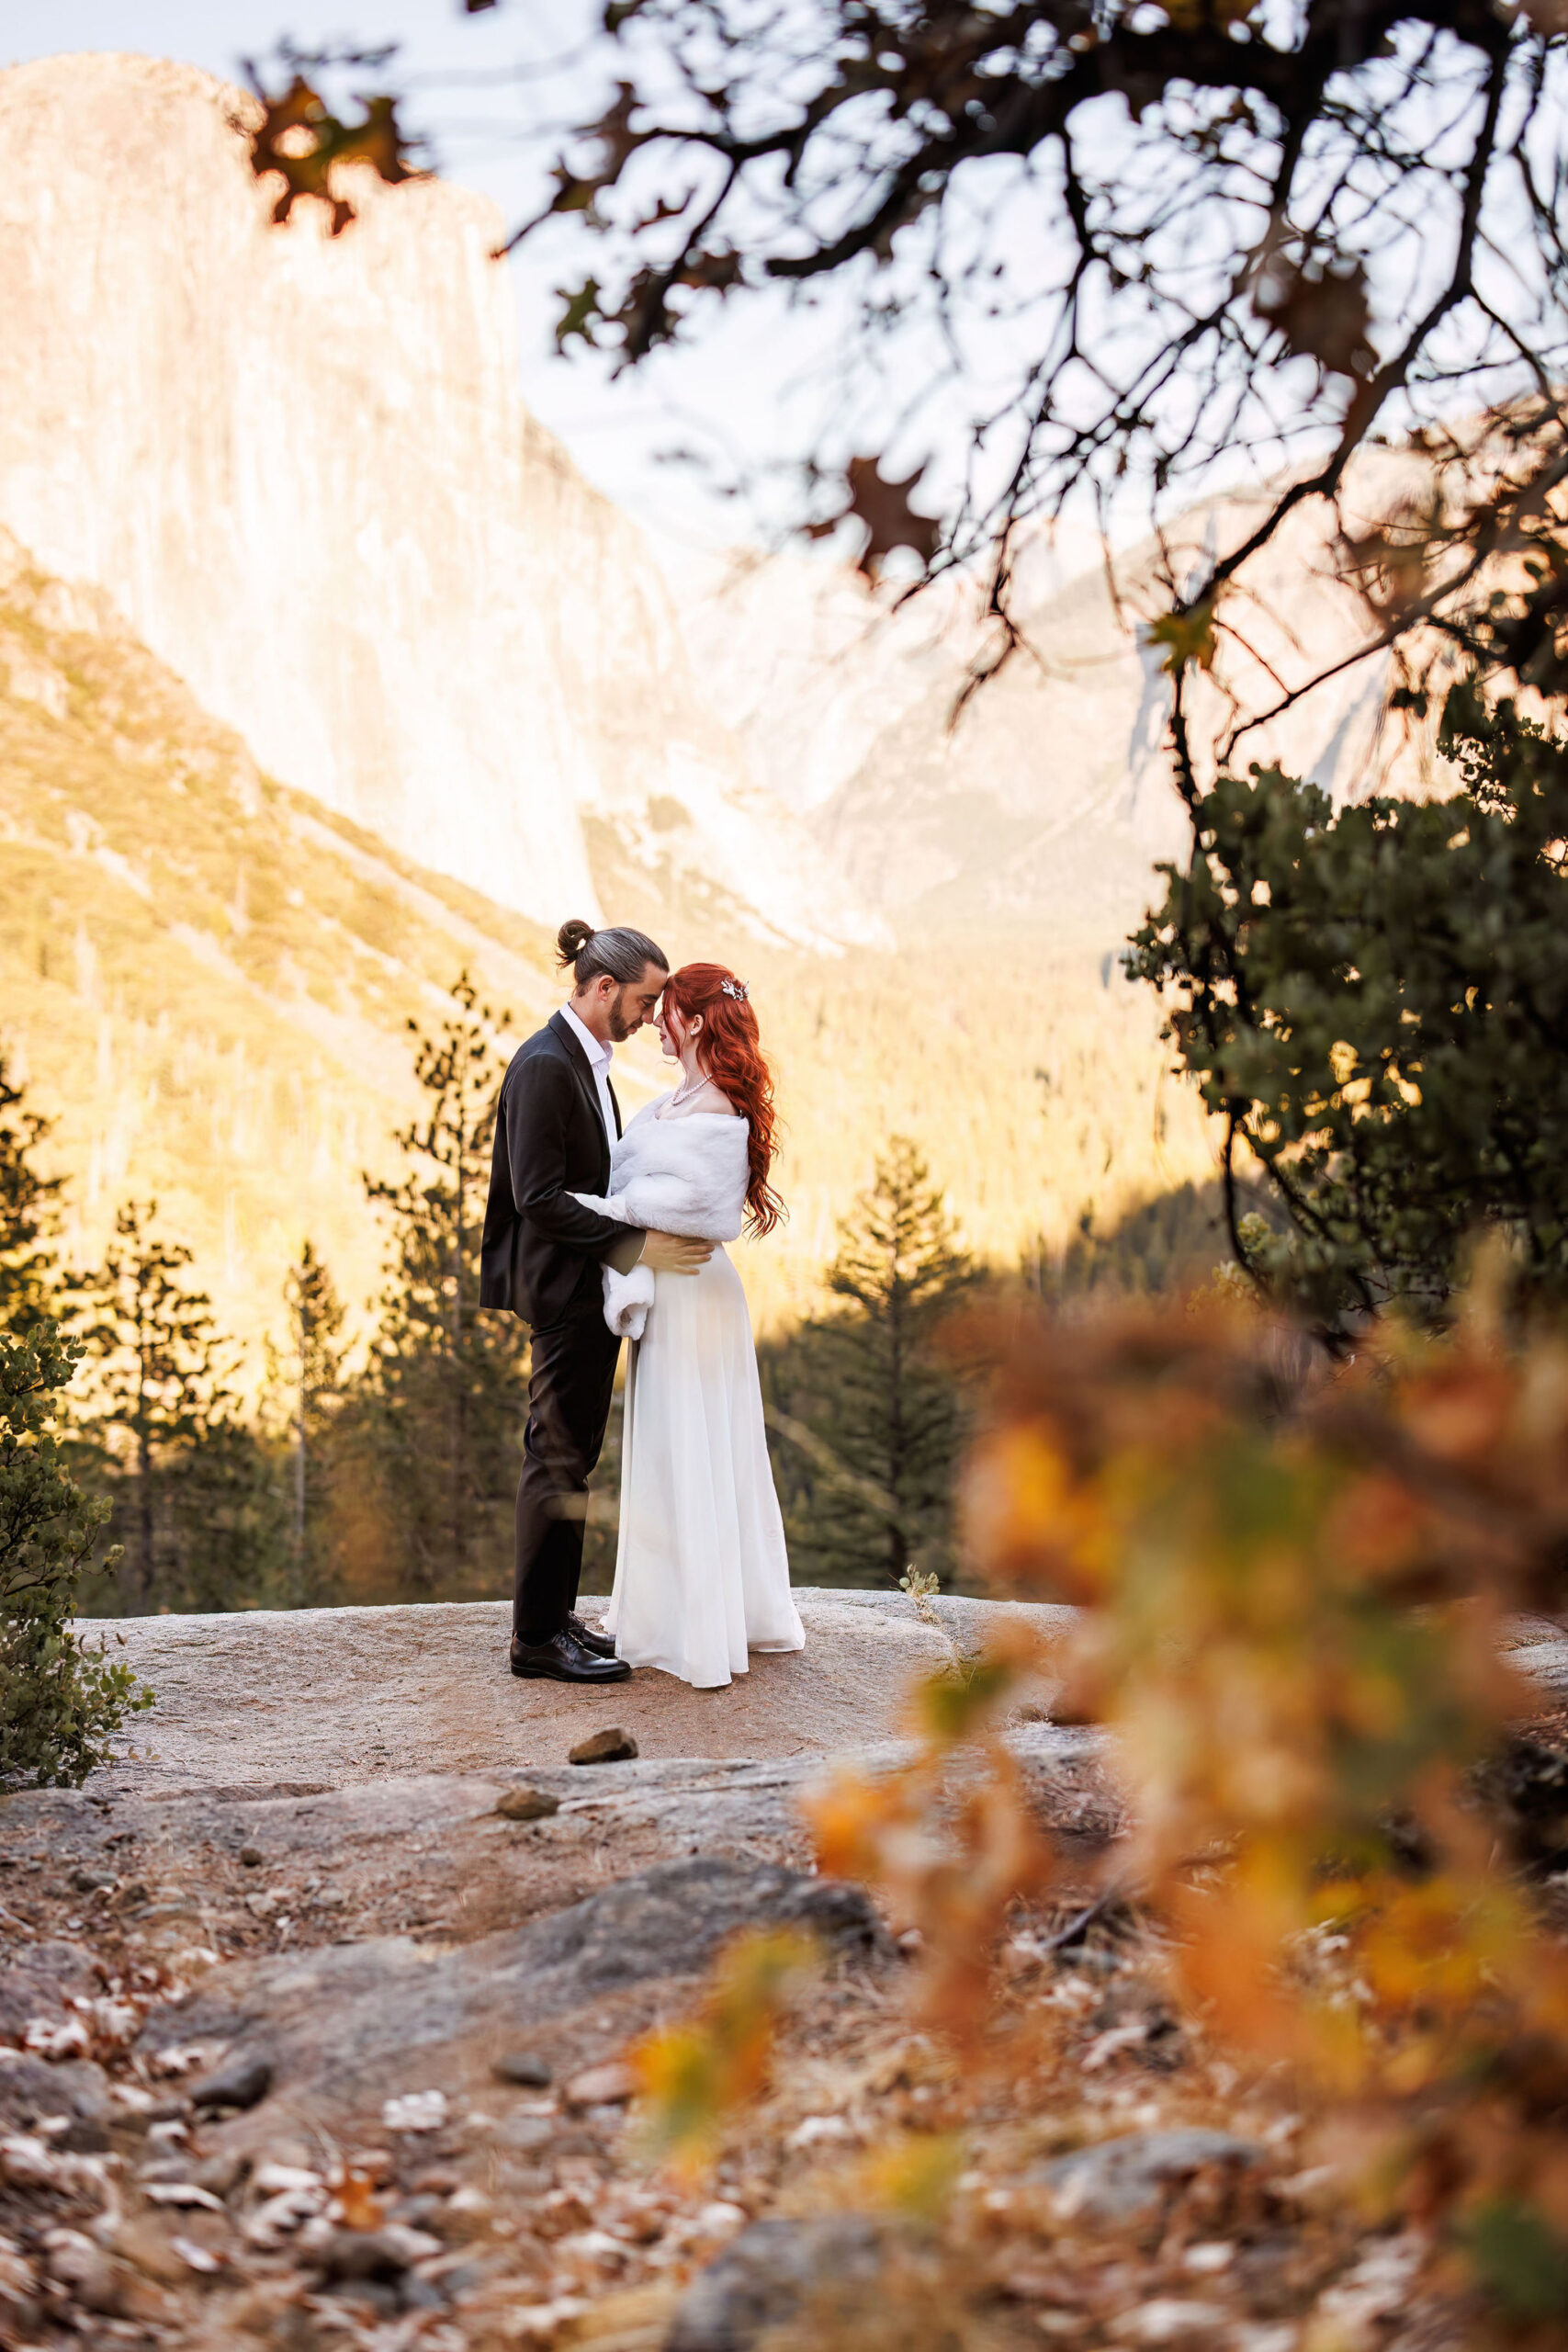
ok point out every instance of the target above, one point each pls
(541, 1250)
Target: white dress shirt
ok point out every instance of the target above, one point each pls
(599, 1057)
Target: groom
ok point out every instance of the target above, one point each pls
(540, 1257)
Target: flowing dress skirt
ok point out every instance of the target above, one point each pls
(701, 1571)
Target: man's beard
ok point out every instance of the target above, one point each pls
(620, 1027)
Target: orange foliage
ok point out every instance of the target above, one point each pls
(1295, 1587)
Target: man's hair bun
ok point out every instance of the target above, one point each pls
(618, 954)
(571, 939)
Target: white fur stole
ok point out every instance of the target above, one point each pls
(685, 1176)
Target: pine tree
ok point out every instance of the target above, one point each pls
(448, 1387)
(162, 1390)
(869, 1422)
(31, 1284)
(308, 1376)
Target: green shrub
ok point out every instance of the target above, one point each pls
(58, 1702)
(1374, 1000)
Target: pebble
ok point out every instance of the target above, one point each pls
(1122, 2178)
(522, 2066)
(251, 1857)
(1169, 2319)
(611, 2084)
(611, 1746)
(526, 2132)
(415, 2111)
(529, 1804)
(244, 2082)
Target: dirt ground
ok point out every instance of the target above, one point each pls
(328, 1697)
(311, 2039)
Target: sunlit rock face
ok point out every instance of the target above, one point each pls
(1038, 804)
(1035, 807)
(300, 467)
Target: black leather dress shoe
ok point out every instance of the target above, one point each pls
(560, 1659)
(588, 1637)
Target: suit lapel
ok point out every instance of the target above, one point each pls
(615, 1107)
(583, 1074)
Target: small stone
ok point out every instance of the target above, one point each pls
(244, 2082)
(1122, 2179)
(521, 2066)
(197, 2258)
(611, 1746)
(526, 2133)
(530, 1805)
(185, 2196)
(366, 2254)
(251, 1857)
(261, 1907)
(611, 2084)
(1169, 2319)
(415, 2111)
(766, 2273)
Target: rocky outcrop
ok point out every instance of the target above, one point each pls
(264, 1696)
(301, 468)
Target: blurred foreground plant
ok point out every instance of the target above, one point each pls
(696, 2076)
(1295, 1590)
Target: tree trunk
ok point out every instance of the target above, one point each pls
(144, 1505)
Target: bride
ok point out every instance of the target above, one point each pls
(701, 1571)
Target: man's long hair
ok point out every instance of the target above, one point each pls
(729, 1052)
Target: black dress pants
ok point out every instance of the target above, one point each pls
(570, 1382)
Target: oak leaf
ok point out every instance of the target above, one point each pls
(890, 521)
(1322, 314)
(1187, 637)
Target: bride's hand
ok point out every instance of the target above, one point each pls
(672, 1253)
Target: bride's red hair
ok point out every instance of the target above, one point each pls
(729, 1051)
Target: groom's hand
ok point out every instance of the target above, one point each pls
(672, 1253)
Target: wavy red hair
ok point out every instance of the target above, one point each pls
(729, 1051)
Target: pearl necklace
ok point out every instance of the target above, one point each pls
(686, 1089)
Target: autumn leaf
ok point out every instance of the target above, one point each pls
(890, 521)
(580, 311)
(695, 2076)
(1322, 314)
(301, 139)
(1187, 637)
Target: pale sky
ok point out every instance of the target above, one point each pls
(473, 81)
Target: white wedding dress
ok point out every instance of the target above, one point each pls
(701, 1575)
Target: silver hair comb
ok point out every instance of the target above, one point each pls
(737, 988)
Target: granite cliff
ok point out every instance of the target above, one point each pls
(302, 468)
(1037, 808)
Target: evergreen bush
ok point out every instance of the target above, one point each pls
(59, 1703)
(1375, 1000)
